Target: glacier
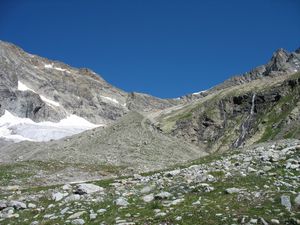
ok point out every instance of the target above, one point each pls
(24, 129)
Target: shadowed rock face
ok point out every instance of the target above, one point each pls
(236, 116)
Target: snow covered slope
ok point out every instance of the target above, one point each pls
(20, 129)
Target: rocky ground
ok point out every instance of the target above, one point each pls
(255, 185)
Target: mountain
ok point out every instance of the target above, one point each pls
(43, 90)
(227, 155)
(260, 105)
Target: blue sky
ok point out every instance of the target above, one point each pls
(166, 48)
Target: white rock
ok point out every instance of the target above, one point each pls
(232, 190)
(297, 201)
(286, 202)
(121, 202)
(17, 205)
(88, 189)
(148, 198)
(93, 216)
(78, 222)
(274, 221)
(31, 206)
(57, 196)
(76, 215)
(101, 211)
(163, 195)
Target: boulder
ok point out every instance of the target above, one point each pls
(88, 189)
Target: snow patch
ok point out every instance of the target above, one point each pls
(21, 129)
(23, 87)
(110, 99)
(48, 66)
(200, 92)
(48, 101)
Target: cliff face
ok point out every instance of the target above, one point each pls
(260, 110)
(41, 89)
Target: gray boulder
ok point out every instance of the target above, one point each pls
(88, 189)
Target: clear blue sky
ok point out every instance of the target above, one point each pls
(166, 48)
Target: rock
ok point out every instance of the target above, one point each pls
(63, 211)
(31, 206)
(160, 214)
(148, 198)
(34, 223)
(3, 205)
(147, 189)
(121, 202)
(76, 215)
(78, 222)
(177, 201)
(17, 205)
(172, 173)
(196, 203)
(232, 190)
(88, 189)
(178, 218)
(101, 211)
(262, 220)
(67, 187)
(57, 196)
(72, 198)
(274, 221)
(163, 195)
(286, 202)
(93, 216)
(253, 221)
(297, 201)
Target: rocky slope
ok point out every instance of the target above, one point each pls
(255, 185)
(263, 109)
(132, 143)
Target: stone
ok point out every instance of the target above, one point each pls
(34, 223)
(172, 173)
(275, 221)
(31, 206)
(286, 202)
(72, 198)
(148, 198)
(233, 190)
(67, 187)
(93, 216)
(76, 215)
(253, 221)
(147, 189)
(3, 205)
(17, 205)
(163, 195)
(121, 202)
(177, 201)
(88, 189)
(297, 201)
(262, 220)
(63, 211)
(178, 218)
(101, 211)
(161, 214)
(57, 196)
(78, 222)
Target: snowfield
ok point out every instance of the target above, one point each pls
(20, 129)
